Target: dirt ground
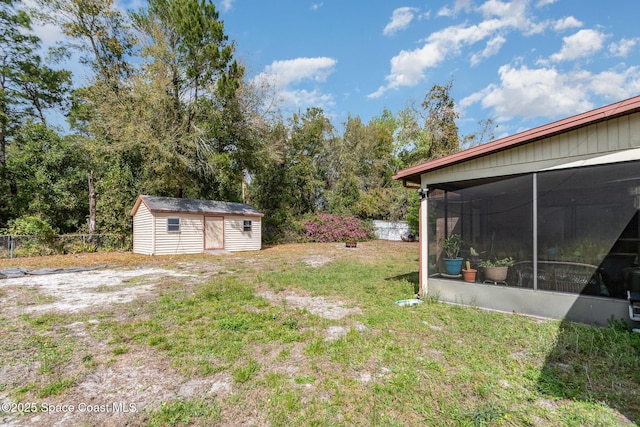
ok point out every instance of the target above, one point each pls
(118, 389)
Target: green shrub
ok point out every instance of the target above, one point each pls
(39, 238)
(30, 225)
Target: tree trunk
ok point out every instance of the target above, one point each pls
(92, 205)
(3, 148)
(245, 196)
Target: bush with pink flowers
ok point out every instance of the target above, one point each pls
(325, 227)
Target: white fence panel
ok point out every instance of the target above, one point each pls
(391, 230)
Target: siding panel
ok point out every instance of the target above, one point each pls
(143, 231)
(190, 239)
(235, 239)
(624, 135)
(634, 131)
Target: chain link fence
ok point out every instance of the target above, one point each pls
(13, 246)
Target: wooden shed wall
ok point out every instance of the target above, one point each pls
(619, 138)
(143, 231)
(235, 239)
(188, 241)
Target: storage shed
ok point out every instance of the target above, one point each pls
(169, 226)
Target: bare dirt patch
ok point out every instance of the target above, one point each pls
(73, 292)
(317, 261)
(319, 306)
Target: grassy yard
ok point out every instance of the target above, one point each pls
(305, 335)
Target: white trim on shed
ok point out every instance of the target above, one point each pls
(152, 234)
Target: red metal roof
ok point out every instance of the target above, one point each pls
(617, 109)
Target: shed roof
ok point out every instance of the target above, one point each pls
(170, 204)
(608, 112)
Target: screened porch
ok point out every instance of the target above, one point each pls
(573, 230)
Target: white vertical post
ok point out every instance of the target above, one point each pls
(535, 231)
(424, 242)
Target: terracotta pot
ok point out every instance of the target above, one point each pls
(469, 275)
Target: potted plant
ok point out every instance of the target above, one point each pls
(469, 274)
(451, 247)
(496, 270)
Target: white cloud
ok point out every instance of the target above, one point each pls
(623, 47)
(292, 71)
(512, 15)
(445, 11)
(542, 92)
(303, 97)
(284, 76)
(48, 33)
(547, 92)
(409, 66)
(400, 19)
(463, 5)
(615, 85)
(317, 6)
(542, 3)
(493, 47)
(226, 5)
(581, 44)
(567, 23)
(457, 7)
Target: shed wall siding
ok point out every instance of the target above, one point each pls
(599, 139)
(190, 239)
(237, 240)
(143, 231)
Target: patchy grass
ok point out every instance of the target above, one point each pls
(185, 413)
(262, 362)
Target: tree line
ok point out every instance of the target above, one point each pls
(167, 110)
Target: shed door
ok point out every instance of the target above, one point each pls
(213, 232)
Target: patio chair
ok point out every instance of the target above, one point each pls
(561, 276)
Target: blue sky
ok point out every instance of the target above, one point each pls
(522, 63)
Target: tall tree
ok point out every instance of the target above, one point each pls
(412, 142)
(305, 160)
(428, 131)
(97, 29)
(17, 45)
(102, 35)
(27, 86)
(366, 187)
(441, 120)
(196, 84)
(27, 89)
(295, 172)
(49, 177)
(269, 188)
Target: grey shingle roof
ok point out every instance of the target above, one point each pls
(170, 204)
